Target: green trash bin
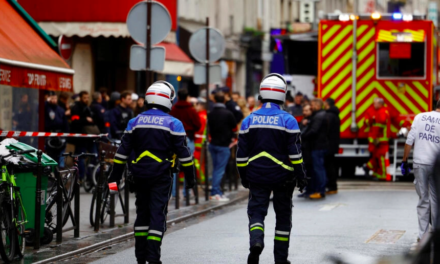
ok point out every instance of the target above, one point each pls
(26, 179)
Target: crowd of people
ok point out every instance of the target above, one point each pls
(101, 113)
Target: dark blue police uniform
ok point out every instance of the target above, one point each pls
(154, 137)
(119, 117)
(269, 159)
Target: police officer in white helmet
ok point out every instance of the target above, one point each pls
(154, 136)
(269, 160)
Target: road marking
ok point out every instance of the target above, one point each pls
(386, 236)
(329, 207)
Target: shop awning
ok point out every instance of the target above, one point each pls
(176, 61)
(26, 60)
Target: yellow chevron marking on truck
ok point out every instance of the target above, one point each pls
(336, 41)
(366, 51)
(365, 39)
(417, 98)
(365, 92)
(390, 98)
(336, 79)
(365, 79)
(336, 54)
(365, 66)
(361, 30)
(421, 88)
(396, 93)
(340, 90)
(330, 33)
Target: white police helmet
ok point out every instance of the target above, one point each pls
(273, 87)
(160, 93)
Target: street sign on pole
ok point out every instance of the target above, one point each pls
(198, 41)
(149, 23)
(215, 73)
(65, 47)
(137, 22)
(138, 55)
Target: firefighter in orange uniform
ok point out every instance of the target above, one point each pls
(200, 137)
(378, 121)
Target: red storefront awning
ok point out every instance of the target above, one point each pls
(25, 58)
(176, 61)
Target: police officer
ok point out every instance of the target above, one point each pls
(55, 121)
(120, 115)
(154, 136)
(269, 160)
(425, 136)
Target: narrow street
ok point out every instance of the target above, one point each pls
(347, 223)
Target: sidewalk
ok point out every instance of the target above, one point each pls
(88, 237)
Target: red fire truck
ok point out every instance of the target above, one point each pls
(391, 56)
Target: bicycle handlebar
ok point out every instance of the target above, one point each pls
(70, 154)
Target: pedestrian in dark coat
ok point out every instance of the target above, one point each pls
(98, 111)
(317, 134)
(334, 128)
(306, 149)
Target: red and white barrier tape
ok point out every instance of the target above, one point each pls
(13, 134)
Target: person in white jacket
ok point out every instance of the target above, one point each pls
(425, 136)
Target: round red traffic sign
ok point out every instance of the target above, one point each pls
(65, 47)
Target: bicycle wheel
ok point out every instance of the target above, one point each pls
(97, 172)
(8, 234)
(52, 209)
(21, 240)
(101, 211)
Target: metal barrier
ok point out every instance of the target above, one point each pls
(61, 197)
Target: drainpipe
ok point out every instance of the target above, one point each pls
(354, 128)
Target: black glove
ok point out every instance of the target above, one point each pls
(245, 183)
(289, 185)
(301, 184)
(404, 167)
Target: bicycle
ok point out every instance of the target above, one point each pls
(12, 213)
(105, 204)
(69, 181)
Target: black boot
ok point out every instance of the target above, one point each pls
(287, 262)
(254, 256)
(141, 261)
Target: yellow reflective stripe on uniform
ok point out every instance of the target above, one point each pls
(141, 234)
(267, 155)
(154, 238)
(188, 164)
(384, 169)
(257, 227)
(297, 161)
(281, 238)
(379, 125)
(119, 161)
(242, 164)
(370, 139)
(147, 154)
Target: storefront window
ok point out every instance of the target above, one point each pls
(19, 111)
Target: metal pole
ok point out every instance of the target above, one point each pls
(99, 190)
(148, 46)
(354, 128)
(59, 206)
(76, 202)
(177, 184)
(395, 159)
(112, 210)
(207, 111)
(127, 199)
(38, 202)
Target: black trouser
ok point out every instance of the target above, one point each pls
(152, 196)
(332, 172)
(259, 196)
